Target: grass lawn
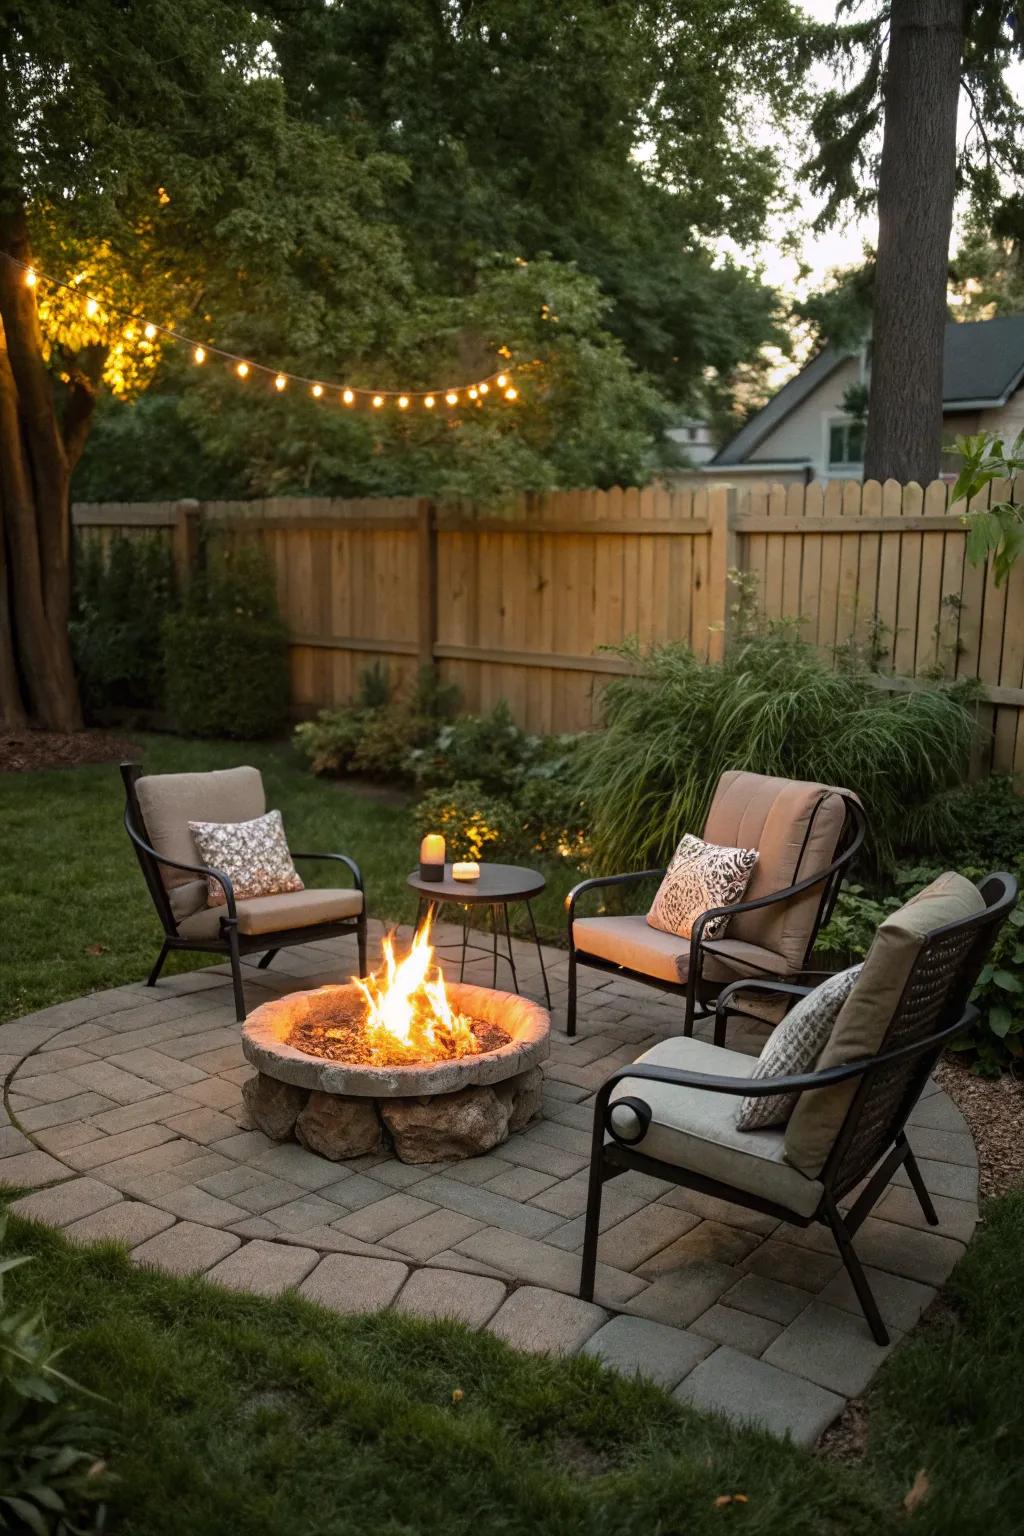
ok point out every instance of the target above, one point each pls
(230, 1414)
(78, 917)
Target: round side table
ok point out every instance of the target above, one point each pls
(497, 886)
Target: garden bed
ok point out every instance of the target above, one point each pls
(25, 751)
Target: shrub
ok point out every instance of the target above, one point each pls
(489, 750)
(475, 825)
(121, 598)
(771, 707)
(48, 1480)
(379, 733)
(985, 824)
(226, 650)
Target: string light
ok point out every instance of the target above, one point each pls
(242, 367)
(511, 394)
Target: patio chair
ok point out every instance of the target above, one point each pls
(805, 835)
(671, 1113)
(158, 809)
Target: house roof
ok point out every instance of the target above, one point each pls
(983, 364)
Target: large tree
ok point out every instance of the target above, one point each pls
(918, 59)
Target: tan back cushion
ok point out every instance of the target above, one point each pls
(865, 1017)
(795, 827)
(169, 801)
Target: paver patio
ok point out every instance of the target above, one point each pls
(123, 1115)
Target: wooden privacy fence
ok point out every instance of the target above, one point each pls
(518, 606)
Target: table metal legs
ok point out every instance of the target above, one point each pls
(427, 909)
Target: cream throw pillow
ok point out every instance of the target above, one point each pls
(253, 854)
(700, 876)
(794, 1046)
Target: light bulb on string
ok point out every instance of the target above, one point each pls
(199, 355)
(484, 388)
(472, 391)
(30, 278)
(501, 381)
(511, 394)
(317, 391)
(403, 402)
(451, 397)
(280, 382)
(242, 370)
(149, 332)
(378, 401)
(347, 396)
(91, 307)
(429, 402)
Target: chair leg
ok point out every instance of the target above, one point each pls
(859, 1279)
(236, 972)
(265, 960)
(361, 944)
(570, 1004)
(592, 1230)
(151, 979)
(917, 1184)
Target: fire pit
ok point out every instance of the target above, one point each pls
(398, 1058)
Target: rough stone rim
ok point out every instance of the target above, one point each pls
(527, 1022)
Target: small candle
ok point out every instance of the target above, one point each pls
(469, 869)
(432, 857)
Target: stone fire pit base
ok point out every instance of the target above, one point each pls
(426, 1129)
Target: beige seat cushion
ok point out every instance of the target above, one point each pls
(864, 1018)
(695, 1129)
(632, 942)
(272, 914)
(795, 827)
(169, 801)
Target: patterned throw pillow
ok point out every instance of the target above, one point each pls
(700, 876)
(253, 855)
(794, 1046)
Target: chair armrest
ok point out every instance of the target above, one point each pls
(807, 884)
(600, 881)
(760, 1087)
(339, 858)
(193, 869)
(751, 984)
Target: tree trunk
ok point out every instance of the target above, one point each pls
(916, 186)
(35, 471)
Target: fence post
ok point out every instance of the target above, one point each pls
(185, 539)
(426, 582)
(723, 556)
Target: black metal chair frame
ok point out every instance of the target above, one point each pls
(230, 941)
(889, 1084)
(698, 993)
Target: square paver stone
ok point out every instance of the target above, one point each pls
(636, 1345)
(437, 1293)
(265, 1269)
(744, 1331)
(683, 1294)
(62, 1204)
(749, 1391)
(831, 1347)
(900, 1301)
(543, 1321)
(348, 1284)
(129, 1221)
(186, 1249)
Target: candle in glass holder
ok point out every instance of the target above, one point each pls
(469, 869)
(432, 857)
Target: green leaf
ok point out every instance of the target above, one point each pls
(1008, 981)
(999, 1021)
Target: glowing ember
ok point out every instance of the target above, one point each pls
(399, 1014)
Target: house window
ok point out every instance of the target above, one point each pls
(845, 443)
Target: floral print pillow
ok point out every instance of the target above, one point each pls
(253, 854)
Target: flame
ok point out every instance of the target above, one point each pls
(408, 1015)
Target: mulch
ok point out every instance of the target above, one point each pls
(25, 751)
(994, 1110)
